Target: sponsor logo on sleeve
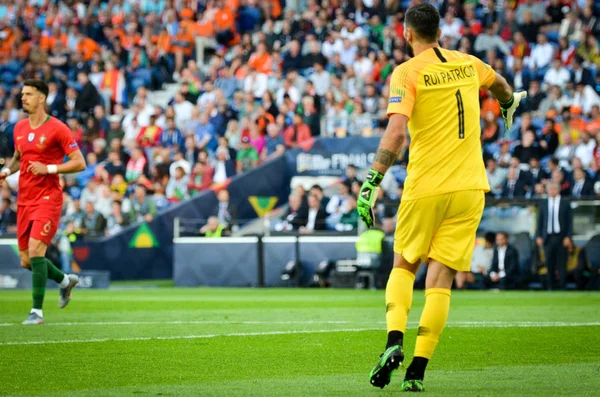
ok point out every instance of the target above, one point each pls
(395, 99)
(73, 145)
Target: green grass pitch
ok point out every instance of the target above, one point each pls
(292, 342)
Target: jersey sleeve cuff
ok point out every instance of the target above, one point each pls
(404, 112)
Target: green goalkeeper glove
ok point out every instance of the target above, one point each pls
(509, 107)
(367, 197)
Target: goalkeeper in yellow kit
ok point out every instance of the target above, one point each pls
(435, 94)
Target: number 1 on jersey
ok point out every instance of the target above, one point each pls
(461, 115)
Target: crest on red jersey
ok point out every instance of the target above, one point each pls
(42, 144)
(30, 137)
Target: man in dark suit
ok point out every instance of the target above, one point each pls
(296, 216)
(554, 231)
(537, 172)
(88, 96)
(513, 186)
(316, 216)
(582, 185)
(579, 74)
(505, 264)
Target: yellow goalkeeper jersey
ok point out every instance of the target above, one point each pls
(438, 91)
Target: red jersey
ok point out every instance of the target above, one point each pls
(47, 144)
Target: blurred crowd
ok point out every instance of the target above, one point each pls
(256, 78)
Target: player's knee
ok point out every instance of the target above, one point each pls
(36, 248)
(439, 275)
(402, 263)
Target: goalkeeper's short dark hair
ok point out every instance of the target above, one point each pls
(424, 19)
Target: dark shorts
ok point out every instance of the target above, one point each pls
(38, 222)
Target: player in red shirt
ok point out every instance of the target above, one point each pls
(41, 144)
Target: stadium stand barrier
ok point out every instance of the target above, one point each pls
(145, 250)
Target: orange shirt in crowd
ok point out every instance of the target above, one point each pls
(87, 48)
(48, 41)
(128, 42)
(184, 42)
(203, 28)
(302, 134)
(118, 33)
(490, 104)
(109, 81)
(263, 121)
(593, 126)
(262, 63)
(163, 42)
(275, 9)
(224, 19)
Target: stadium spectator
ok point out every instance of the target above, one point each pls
(534, 97)
(316, 216)
(557, 74)
(136, 166)
(317, 191)
(585, 98)
(585, 149)
(549, 137)
(150, 134)
(177, 188)
(554, 230)
(496, 177)
(87, 97)
(491, 128)
(117, 219)
(143, 207)
(224, 166)
(349, 219)
(571, 28)
(541, 56)
(581, 74)
(226, 212)
(528, 148)
(490, 40)
(8, 217)
(295, 217)
(503, 156)
(481, 263)
(528, 27)
(513, 186)
(213, 228)
(93, 223)
(201, 178)
(104, 201)
(297, 133)
(539, 175)
(582, 184)
(247, 156)
(505, 264)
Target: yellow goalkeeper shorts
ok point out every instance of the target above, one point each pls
(440, 227)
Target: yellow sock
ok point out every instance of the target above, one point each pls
(398, 299)
(433, 320)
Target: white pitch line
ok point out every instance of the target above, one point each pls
(451, 324)
(206, 336)
(199, 322)
(519, 324)
(465, 324)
